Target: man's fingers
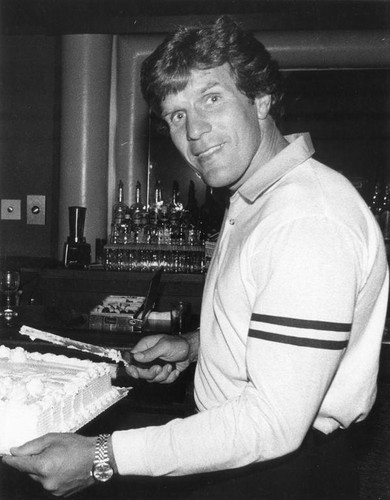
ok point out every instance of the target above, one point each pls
(35, 446)
(158, 350)
(147, 342)
(147, 374)
(132, 371)
(162, 374)
(34, 477)
(23, 464)
(172, 377)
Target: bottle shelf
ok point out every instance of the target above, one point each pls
(186, 259)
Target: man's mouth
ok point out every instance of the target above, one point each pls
(208, 152)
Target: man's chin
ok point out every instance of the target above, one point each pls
(215, 182)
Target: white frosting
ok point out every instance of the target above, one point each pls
(42, 393)
(35, 387)
(18, 355)
(4, 351)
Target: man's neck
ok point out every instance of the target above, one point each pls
(272, 142)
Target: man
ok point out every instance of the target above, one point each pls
(293, 308)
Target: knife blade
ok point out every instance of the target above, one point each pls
(104, 352)
(151, 295)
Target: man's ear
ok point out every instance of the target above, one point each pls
(263, 105)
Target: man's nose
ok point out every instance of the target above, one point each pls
(197, 125)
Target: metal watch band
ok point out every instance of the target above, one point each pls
(102, 469)
(101, 448)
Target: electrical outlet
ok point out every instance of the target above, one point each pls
(10, 209)
(36, 209)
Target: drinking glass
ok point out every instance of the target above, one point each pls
(9, 285)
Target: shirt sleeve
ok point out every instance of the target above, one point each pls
(306, 279)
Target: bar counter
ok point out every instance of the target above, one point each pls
(154, 404)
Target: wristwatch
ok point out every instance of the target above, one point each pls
(102, 469)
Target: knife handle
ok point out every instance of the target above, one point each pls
(149, 364)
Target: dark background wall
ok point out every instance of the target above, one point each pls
(29, 139)
(349, 117)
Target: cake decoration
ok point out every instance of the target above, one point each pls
(41, 393)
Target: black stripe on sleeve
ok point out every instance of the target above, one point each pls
(302, 323)
(298, 341)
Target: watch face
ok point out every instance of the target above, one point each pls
(102, 471)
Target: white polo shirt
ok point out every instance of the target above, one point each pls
(291, 326)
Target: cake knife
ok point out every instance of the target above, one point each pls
(105, 352)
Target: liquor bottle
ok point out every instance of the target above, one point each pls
(175, 206)
(164, 226)
(153, 215)
(174, 213)
(384, 216)
(190, 217)
(126, 228)
(154, 208)
(137, 208)
(376, 202)
(120, 208)
(139, 216)
(115, 237)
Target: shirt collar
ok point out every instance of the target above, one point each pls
(298, 151)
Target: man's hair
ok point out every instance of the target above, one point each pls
(167, 70)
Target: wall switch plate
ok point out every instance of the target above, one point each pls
(36, 209)
(10, 209)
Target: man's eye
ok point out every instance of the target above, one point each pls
(177, 117)
(213, 98)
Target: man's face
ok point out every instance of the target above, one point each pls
(214, 126)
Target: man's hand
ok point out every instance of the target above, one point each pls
(60, 462)
(169, 348)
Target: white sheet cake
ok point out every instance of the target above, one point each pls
(41, 393)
